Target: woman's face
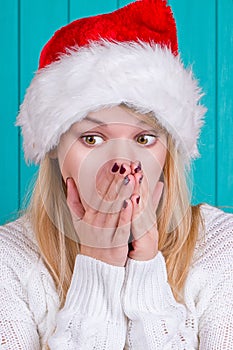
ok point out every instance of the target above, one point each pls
(89, 149)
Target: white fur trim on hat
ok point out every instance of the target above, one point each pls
(106, 74)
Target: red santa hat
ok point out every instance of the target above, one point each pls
(128, 56)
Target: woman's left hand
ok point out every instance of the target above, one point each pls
(144, 221)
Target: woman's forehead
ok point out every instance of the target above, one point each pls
(121, 115)
(117, 115)
(114, 114)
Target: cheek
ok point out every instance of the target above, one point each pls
(153, 164)
(69, 163)
(161, 155)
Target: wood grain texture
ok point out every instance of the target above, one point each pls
(205, 33)
(9, 78)
(224, 135)
(38, 21)
(197, 43)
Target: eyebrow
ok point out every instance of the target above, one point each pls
(96, 121)
(99, 122)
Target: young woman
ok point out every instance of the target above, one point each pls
(110, 253)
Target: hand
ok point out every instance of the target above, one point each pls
(103, 229)
(144, 221)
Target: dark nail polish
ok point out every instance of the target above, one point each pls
(140, 180)
(125, 204)
(115, 168)
(139, 167)
(161, 179)
(130, 246)
(138, 199)
(122, 169)
(126, 180)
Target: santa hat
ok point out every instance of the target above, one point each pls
(128, 56)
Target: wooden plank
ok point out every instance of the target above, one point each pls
(224, 136)
(38, 21)
(123, 2)
(8, 111)
(197, 43)
(79, 9)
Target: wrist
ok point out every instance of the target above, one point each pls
(113, 256)
(147, 288)
(95, 289)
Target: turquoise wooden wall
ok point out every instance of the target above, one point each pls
(205, 32)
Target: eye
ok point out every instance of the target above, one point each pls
(145, 139)
(92, 140)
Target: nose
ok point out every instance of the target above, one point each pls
(122, 149)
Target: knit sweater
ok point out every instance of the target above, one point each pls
(115, 308)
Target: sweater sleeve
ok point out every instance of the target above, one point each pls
(92, 317)
(157, 321)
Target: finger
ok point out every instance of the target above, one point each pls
(146, 247)
(125, 169)
(137, 206)
(144, 231)
(122, 232)
(73, 199)
(108, 182)
(104, 236)
(138, 182)
(123, 190)
(125, 213)
(109, 211)
(136, 167)
(112, 191)
(157, 194)
(137, 203)
(143, 216)
(113, 199)
(105, 176)
(104, 179)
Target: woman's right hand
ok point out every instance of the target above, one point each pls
(103, 227)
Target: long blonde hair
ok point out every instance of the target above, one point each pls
(178, 222)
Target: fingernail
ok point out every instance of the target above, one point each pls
(68, 178)
(126, 180)
(130, 246)
(138, 199)
(125, 204)
(122, 169)
(115, 168)
(161, 179)
(139, 167)
(140, 180)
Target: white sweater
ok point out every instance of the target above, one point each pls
(108, 307)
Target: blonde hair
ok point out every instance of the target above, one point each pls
(178, 222)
